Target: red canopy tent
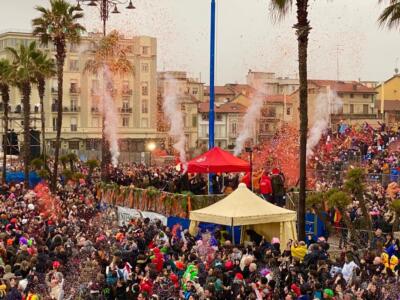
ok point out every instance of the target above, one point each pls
(217, 160)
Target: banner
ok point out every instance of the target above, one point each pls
(154, 216)
(126, 214)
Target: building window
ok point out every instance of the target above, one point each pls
(352, 108)
(74, 125)
(365, 96)
(74, 104)
(125, 122)
(218, 117)
(73, 86)
(145, 89)
(145, 50)
(73, 145)
(365, 109)
(194, 121)
(95, 122)
(288, 111)
(145, 106)
(204, 117)
(195, 91)
(145, 68)
(73, 47)
(125, 104)
(54, 124)
(144, 123)
(73, 65)
(351, 95)
(234, 129)
(204, 130)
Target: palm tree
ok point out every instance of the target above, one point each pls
(390, 16)
(45, 68)
(302, 31)
(5, 82)
(58, 24)
(110, 54)
(354, 184)
(24, 65)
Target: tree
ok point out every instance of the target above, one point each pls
(302, 31)
(354, 184)
(109, 54)
(390, 16)
(45, 68)
(92, 164)
(5, 82)
(341, 200)
(23, 62)
(59, 24)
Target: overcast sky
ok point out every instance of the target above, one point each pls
(247, 38)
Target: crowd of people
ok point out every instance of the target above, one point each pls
(69, 245)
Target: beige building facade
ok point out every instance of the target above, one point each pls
(134, 95)
(190, 92)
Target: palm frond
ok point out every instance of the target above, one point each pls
(390, 16)
(280, 8)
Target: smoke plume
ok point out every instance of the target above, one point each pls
(174, 115)
(326, 104)
(250, 119)
(110, 114)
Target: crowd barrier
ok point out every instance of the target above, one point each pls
(152, 199)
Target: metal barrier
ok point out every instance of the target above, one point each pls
(337, 177)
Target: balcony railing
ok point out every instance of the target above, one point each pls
(126, 92)
(74, 90)
(125, 110)
(74, 109)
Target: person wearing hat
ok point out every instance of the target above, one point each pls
(328, 294)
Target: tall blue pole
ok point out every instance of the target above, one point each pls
(212, 91)
(212, 76)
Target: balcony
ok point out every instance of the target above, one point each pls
(66, 109)
(127, 92)
(75, 109)
(354, 116)
(74, 90)
(125, 110)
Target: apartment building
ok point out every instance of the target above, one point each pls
(228, 121)
(134, 95)
(389, 93)
(269, 84)
(190, 92)
(358, 102)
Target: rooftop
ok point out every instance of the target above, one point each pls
(344, 86)
(229, 107)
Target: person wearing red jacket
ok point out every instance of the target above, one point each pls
(266, 186)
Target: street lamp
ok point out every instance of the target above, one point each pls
(151, 147)
(105, 7)
(250, 151)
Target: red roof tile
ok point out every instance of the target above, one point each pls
(344, 86)
(229, 107)
(219, 90)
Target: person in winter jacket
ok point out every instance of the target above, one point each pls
(266, 186)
